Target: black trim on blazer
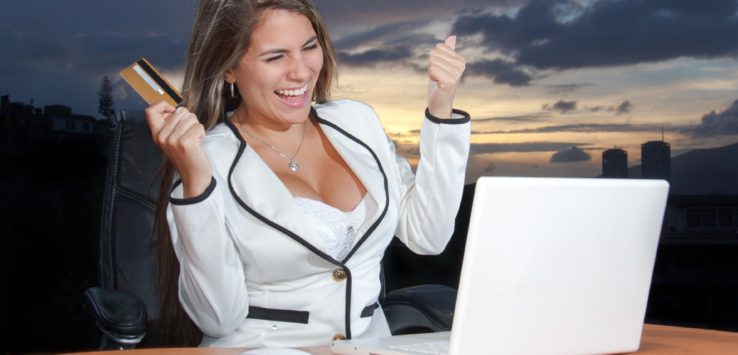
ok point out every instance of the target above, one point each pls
(461, 120)
(279, 315)
(192, 200)
(386, 186)
(347, 311)
(368, 311)
(265, 220)
(287, 232)
(284, 315)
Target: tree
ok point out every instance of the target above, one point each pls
(105, 96)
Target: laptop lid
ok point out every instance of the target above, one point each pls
(555, 265)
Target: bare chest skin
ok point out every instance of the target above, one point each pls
(323, 174)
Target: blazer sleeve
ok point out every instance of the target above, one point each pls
(212, 286)
(431, 197)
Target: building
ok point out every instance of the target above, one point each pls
(57, 110)
(4, 108)
(615, 163)
(73, 124)
(656, 160)
(694, 281)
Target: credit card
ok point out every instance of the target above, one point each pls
(150, 84)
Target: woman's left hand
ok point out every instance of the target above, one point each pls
(445, 68)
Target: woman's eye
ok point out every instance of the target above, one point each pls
(272, 59)
(311, 47)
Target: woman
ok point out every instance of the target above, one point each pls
(280, 215)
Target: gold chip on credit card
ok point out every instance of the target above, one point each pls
(150, 84)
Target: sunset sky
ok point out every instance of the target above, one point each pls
(549, 84)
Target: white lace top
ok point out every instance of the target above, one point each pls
(337, 229)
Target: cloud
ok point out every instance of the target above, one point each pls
(396, 34)
(526, 147)
(414, 133)
(624, 108)
(571, 154)
(718, 124)
(396, 55)
(561, 34)
(59, 58)
(501, 71)
(566, 88)
(599, 108)
(592, 127)
(521, 118)
(561, 106)
(69, 70)
(346, 15)
(72, 17)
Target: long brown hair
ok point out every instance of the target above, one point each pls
(221, 34)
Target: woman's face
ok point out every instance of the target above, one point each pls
(277, 75)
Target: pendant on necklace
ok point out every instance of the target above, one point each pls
(294, 166)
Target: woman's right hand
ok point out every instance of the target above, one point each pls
(179, 135)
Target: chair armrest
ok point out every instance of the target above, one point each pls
(120, 316)
(420, 309)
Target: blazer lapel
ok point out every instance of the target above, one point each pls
(260, 193)
(363, 162)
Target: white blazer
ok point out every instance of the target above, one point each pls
(253, 273)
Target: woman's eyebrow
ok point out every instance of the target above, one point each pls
(282, 51)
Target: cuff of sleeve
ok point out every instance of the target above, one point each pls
(192, 200)
(457, 117)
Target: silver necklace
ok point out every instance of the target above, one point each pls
(293, 165)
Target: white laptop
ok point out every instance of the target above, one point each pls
(551, 266)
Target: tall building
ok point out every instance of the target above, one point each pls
(615, 163)
(656, 160)
(4, 106)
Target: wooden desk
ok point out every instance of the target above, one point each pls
(323, 350)
(660, 339)
(657, 339)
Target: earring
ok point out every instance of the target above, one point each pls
(232, 94)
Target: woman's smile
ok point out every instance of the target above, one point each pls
(294, 98)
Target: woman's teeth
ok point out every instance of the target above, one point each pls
(297, 92)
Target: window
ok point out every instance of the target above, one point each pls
(709, 218)
(727, 217)
(712, 218)
(693, 218)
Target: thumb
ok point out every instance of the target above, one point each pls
(451, 42)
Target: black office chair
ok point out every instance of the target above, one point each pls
(126, 303)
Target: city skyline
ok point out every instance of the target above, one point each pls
(549, 84)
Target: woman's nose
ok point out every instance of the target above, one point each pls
(299, 70)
